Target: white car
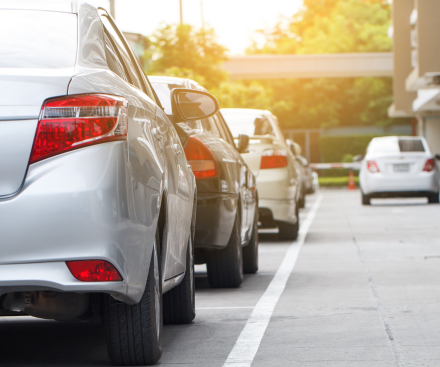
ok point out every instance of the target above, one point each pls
(273, 164)
(399, 166)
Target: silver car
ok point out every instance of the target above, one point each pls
(96, 196)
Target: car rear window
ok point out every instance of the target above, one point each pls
(246, 124)
(37, 39)
(395, 145)
(411, 145)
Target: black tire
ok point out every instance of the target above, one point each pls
(225, 266)
(302, 201)
(134, 332)
(433, 198)
(179, 305)
(250, 252)
(288, 231)
(365, 199)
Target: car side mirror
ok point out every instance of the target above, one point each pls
(243, 143)
(190, 104)
(358, 158)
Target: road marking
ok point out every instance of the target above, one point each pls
(220, 308)
(247, 344)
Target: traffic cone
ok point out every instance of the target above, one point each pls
(351, 185)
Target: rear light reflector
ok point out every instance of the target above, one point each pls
(202, 160)
(94, 271)
(72, 122)
(274, 158)
(372, 166)
(429, 165)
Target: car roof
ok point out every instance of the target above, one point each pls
(63, 6)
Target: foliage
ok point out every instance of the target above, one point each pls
(184, 51)
(336, 181)
(250, 95)
(334, 148)
(331, 26)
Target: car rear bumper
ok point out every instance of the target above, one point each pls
(54, 276)
(78, 206)
(380, 183)
(282, 210)
(214, 219)
(276, 184)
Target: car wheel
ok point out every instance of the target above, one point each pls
(225, 267)
(134, 332)
(179, 305)
(302, 201)
(365, 199)
(433, 197)
(288, 231)
(250, 252)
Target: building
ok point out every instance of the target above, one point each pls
(416, 80)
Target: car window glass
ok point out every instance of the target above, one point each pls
(37, 39)
(163, 92)
(209, 125)
(113, 61)
(224, 130)
(248, 124)
(125, 54)
(386, 145)
(411, 145)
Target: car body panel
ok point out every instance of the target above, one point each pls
(217, 198)
(96, 202)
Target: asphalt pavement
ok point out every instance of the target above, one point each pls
(360, 287)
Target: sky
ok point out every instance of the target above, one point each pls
(235, 21)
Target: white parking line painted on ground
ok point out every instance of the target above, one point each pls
(219, 308)
(246, 347)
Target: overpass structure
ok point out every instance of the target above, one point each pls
(349, 65)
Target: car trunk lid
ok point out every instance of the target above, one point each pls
(401, 163)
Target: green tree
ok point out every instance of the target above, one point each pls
(330, 26)
(184, 51)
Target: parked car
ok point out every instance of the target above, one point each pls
(399, 166)
(273, 164)
(96, 200)
(305, 172)
(226, 232)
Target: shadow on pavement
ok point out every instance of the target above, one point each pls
(26, 341)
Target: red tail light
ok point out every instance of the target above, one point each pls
(202, 160)
(274, 158)
(94, 271)
(429, 165)
(72, 122)
(372, 166)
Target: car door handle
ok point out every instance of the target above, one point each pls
(157, 134)
(176, 149)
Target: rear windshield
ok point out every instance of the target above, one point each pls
(246, 124)
(411, 145)
(394, 145)
(37, 39)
